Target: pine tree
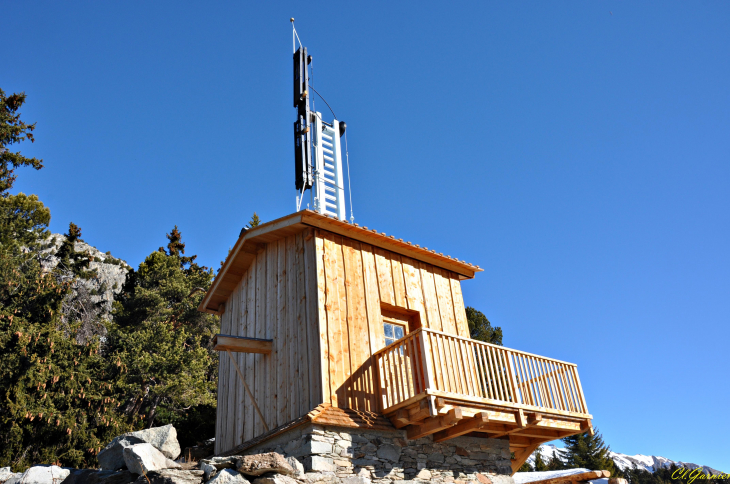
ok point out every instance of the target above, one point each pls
(540, 465)
(79, 305)
(526, 467)
(13, 130)
(175, 247)
(587, 451)
(23, 218)
(56, 402)
(481, 329)
(163, 341)
(555, 463)
(75, 263)
(255, 221)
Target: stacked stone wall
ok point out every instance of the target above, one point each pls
(356, 456)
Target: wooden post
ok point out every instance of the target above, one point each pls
(522, 455)
(427, 369)
(248, 390)
(580, 389)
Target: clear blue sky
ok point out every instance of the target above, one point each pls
(578, 151)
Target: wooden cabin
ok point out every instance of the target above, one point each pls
(318, 313)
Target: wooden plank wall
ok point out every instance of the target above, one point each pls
(354, 279)
(275, 299)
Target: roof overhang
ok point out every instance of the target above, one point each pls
(254, 240)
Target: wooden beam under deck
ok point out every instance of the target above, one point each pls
(478, 421)
(434, 424)
(526, 429)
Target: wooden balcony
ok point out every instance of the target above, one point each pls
(431, 382)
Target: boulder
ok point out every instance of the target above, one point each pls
(297, 466)
(162, 438)
(228, 476)
(44, 475)
(211, 466)
(95, 476)
(111, 457)
(6, 475)
(144, 458)
(258, 464)
(275, 479)
(171, 476)
(208, 470)
(222, 462)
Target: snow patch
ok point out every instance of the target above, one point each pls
(647, 462)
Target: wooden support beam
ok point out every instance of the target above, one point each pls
(523, 422)
(400, 419)
(520, 418)
(586, 425)
(423, 411)
(522, 455)
(434, 424)
(522, 441)
(240, 344)
(465, 426)
(551, 434)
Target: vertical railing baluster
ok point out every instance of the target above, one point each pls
(503, 372)
(536, 379)
(495, 369)
(487, 378)
(513, 380)
(544, 375)
(584, 407)
(566, 389)
(526, 379)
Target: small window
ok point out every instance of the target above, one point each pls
(393, 332)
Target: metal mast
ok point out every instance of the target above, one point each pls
(314, 136)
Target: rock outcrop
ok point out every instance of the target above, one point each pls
(91, 299)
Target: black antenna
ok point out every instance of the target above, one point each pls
(302, 156)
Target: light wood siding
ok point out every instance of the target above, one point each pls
(276, 299)
(318, 296)
(353, 280)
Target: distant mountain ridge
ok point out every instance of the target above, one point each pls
(623, 461)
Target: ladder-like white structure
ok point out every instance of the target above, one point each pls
(329, 195)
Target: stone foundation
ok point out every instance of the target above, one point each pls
(360, 456)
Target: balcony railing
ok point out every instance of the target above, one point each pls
(435, 363)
